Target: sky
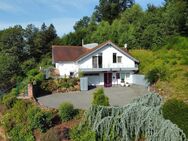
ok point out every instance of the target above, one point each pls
(61, 13)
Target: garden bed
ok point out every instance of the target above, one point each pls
(60, 85)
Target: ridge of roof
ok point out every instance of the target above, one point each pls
(54, 46)
(83, 52)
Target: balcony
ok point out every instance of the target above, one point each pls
(107, 69)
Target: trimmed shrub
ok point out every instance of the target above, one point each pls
(99, 98)
(177, 112)
(66, 111)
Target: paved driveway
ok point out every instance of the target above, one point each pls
(118, 96)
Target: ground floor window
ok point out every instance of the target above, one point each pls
(71, 74)
(122, 77)
(117, 76)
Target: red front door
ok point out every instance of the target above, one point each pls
(108, 79)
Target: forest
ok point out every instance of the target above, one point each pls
(156, 36)
(121, 21)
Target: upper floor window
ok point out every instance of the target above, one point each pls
(114, 57)
(119, 59)
(94, 61)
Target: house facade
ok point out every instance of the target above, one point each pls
(105, 64)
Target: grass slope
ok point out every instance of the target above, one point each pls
(173, 59)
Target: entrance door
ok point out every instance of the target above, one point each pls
(108, 79)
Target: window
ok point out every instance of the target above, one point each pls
(114, 58)
(71, 74)
(122, 77)
(119, 59)
(94, 62)
(117, 76)
(100, 60)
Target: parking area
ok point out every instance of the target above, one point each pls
(118, 96)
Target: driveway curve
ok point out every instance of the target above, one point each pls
(118, 96)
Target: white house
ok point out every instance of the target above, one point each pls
(105, 64)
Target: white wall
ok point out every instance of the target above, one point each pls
(107, 57)
(107, 54)
(66, 67)
(139, 80)
(99, 79)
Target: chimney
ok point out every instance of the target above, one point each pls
(125, 47)
(82, 42)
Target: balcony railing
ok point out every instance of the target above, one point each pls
(107, 69)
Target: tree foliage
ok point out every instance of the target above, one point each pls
(143, 117)
(122, 21)
(108, 10)
(170, 110)
(99, 98)
(21, 48)
(66, 111)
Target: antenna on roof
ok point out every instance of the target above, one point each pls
(82, 42)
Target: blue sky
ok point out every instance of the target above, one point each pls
(61, 13)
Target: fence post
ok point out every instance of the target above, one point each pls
(30, 90)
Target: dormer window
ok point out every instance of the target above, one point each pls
(114, 57)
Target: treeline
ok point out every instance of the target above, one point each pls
(22, 49)
(123, 21)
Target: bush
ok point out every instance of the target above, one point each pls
(155, 74)
(39, 77)
(16, 123)
(32, 72)
(48, 86)
(39, 119)
(66, 111)
(9, 100)
(23, 118)
(18, 133)
(177, 112)
(99, 98)
(84, 134)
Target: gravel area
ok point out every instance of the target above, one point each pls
(118, 96)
